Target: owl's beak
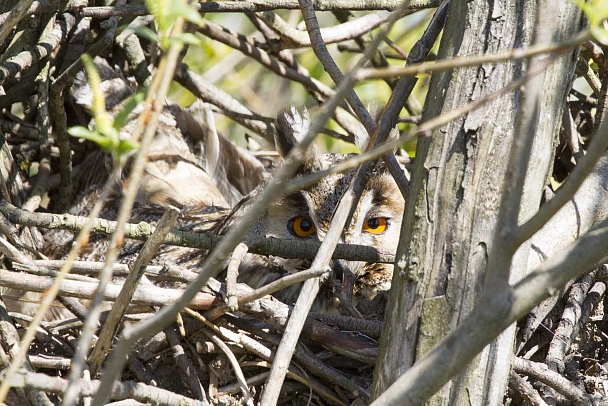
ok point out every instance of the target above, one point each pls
(343, 281)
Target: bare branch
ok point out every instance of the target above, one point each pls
(120, 390)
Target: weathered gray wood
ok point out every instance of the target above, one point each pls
(456, 190)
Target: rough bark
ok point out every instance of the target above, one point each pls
(450, 220)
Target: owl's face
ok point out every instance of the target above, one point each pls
(307, 214)
(376, 222)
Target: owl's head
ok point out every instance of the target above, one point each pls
(306, 214)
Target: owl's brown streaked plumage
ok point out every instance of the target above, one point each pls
(307, 214)
(176, 174)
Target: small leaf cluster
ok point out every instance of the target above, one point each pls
(165, 13)
(597, 14)
(106, 132)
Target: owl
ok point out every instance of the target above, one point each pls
(354, 287)
(179, 173)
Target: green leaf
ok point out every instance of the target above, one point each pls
(126, 145)
(597, 13)
(103, 141)
(129, 105)
(189, 14)
(147, 33)
(188, 38)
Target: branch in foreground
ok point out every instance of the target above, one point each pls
(252, 6)
(144, 294)
(141, 231)
(120, 390)
(496, 311)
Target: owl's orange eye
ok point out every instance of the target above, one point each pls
(301, 226)
(376, 225)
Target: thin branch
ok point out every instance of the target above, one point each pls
(184, 364)
(120, 390)
(48, 42)
(542, 373)
(285, 248)
(597, 146)
(422, 131)
(248, 47)
(144, 294)
(10, 340)
(525, 389)
(294, 38)
(341, 215)
(256, 6)
(227, 104)
(564, 332)
(235, 365)
(465, 61)
(102, 346)
(236, 258)
(52, 290)
(590, 76)
(279, 284)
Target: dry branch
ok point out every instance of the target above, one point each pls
(120, 390)
(144, 294)
(206, 241)
(255, 6)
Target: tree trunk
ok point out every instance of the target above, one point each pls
(456, 188)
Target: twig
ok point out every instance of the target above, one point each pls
(500, 311)
(227, 104)
(144, 294)
(279, 284)
(120, 390)
(227, 351)
(184, 364)
(461, 61)
(27, 58)
(542, 373)
(285, 248)
(159, 88)
(248, 47)
(256, 6)
(602, 103)
(598, 144)
(263, 352)
(102, 346)
(10, 340)
(423, 130)
(341, 216)
(519, 384)
(590, 76)
(293, 38)
(305, 357)
(43, 124)
(563, 335)
(372, 328)
(53, 290)
(236, 258)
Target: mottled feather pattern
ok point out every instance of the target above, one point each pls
(176, 175)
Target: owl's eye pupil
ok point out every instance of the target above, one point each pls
(373, 223)
(301, 226)
(376, 225)
(306, 225)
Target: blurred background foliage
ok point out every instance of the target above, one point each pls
(266, 93)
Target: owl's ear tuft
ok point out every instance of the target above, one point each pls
(291, 127)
